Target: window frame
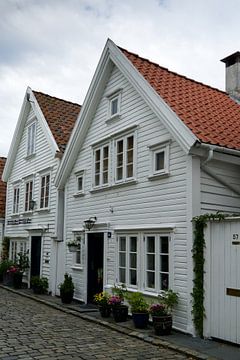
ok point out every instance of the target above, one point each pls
(127, 253)
(101, 160)
(28, 181)
(79, 252)
(15, 248)
(154, 150)
(31, 138)
(44, 207)
(125, 164)
(16, 200)
(111, 98)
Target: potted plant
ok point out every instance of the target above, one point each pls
(119, 310)
(139, 308)
(39, 284)
(5, 276)
(162, 312)
(67, 289)
(101, 299)
(73, 245)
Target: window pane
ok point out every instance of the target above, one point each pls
(164, 263)
(130, 171)
(130, 142)
(78, 257)
(159, 161)
(133, 261)
(130, 156)
(164, 245)
(97, 155)
(164, 281)
(151, 280)
(119, 173)
(97, 179)
(122, 275)
(80, 183)
(105, 177)
(122, 243)
(133, 243)
(151, 262)
(105, 152)
(120, 146)
(120, 160)
(151, 244)
(133, 277)
(114, 106)
(122, 259)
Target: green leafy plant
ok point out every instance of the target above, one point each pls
(5, 248)
(22, 261)
(169, 298)
(102, 298)
(39, 284)
(120, 290)
(4, 266)
(198, 311)
(137, 302)
(67, 289)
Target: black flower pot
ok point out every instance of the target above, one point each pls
(8, 279)
(105, 310)
(66, 297)
(140, 320)
(120, 313)
(162, 324)
(17, 280)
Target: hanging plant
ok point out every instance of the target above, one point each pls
(197, 294)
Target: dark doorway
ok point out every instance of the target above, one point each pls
(36, 255)
(95, 265)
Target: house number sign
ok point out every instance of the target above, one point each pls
(235, 239)
(19, 221)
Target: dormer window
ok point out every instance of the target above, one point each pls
(31, 139)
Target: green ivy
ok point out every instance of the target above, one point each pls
(198, 310)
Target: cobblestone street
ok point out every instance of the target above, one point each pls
(30, 330)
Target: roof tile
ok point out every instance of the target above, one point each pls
(209, 113)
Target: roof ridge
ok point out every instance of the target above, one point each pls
(172, 72)
(54, 97)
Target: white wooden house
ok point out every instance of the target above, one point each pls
(42, 131)
(150, 150)
(3, 187)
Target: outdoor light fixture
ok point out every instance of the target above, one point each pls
(88, 224)
(32, 204)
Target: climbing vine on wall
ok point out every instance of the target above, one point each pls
(198, 310)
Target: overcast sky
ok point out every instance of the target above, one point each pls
(53, 46)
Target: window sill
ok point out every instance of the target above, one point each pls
(78, 194)
(15, 215)
(113, 118)
(29, 212)
(158, 176)
(42, 210)
(113, 186)
(77, 267)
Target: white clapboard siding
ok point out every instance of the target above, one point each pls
(23, 168)
(216, 196)
(151, 202)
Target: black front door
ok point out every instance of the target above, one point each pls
(95, 264)
(35, 255)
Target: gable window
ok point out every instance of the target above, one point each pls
(101, 166)
(159, 160)
(44, 193)
(127, 259)
(124, 158)
(156, 262)
(114, 105)
(31, 139)
(16, 193)
(28, 195)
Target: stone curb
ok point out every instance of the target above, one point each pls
(127, 331)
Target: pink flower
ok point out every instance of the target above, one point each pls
(115, 300)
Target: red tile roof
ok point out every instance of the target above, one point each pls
(3, 188)
(209, 113)
(60, 115)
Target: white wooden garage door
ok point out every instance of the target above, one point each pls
(224, 310)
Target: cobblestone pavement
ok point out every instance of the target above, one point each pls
(30, 330)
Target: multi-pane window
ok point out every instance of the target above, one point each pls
(101, 165)
(17, 247)
(78, 256)
(28, 195)
(125, 158)
(31, 139)
(44, 193)
(157, 262)
(16, 193)
(127, 259)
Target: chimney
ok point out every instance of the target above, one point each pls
(233, 75)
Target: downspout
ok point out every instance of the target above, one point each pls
(211, 173)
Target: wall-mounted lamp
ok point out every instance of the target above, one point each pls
(32, 204)
(88, 224)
